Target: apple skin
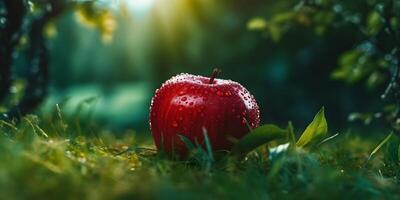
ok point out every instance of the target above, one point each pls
(187, 105)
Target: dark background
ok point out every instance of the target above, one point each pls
(111, 81)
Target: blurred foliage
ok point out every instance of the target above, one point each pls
(375, 57)
(102, 19)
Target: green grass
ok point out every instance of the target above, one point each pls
(52, 160)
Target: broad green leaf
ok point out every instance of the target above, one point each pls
(258, 137)
(315, 131)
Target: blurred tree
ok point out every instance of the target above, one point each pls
(23, 27)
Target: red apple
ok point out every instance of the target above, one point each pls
(189, 105)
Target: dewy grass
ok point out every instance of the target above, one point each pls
(38, 163)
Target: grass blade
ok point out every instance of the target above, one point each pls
(208, 145)
(379, 146)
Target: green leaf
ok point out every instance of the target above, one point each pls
(275, 32)
(375, 80)
(284, 17)
(257, 24)
(258, 137)
(315, 131)
(374, 23)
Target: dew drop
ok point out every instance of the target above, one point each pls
(174, 124)
(180, 108)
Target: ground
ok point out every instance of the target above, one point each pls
(63, 160)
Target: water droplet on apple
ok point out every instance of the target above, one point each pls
(174, 124)
(180, 118)
(180, 108)
(219, 93)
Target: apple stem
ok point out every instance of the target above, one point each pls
(214, 75)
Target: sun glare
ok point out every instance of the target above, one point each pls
(139, 7)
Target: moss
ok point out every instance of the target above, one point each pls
(38, 163)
